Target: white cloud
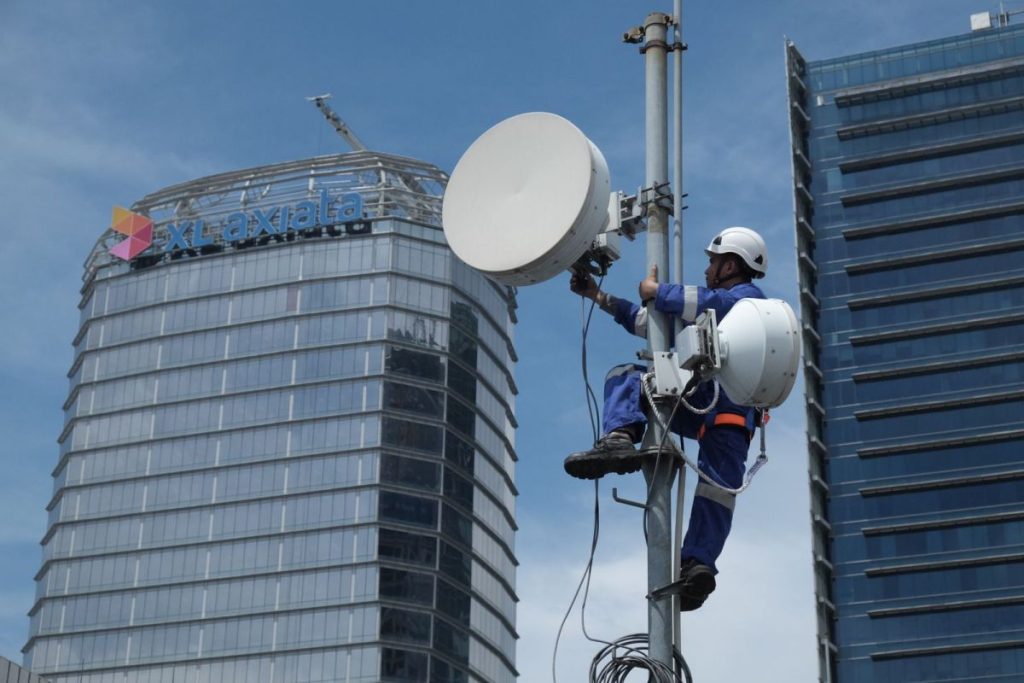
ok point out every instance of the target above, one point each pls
(54, 145)
(550, 569)
(762, 609)
(62, 221)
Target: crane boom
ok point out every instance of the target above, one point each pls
(332, 118)
(400, 179)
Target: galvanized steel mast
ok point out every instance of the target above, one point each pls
(677, 265)
(660, 471)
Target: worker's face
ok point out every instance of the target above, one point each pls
(719, 269)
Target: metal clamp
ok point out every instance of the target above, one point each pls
(659, 195)
(654, 43)
(632, 217)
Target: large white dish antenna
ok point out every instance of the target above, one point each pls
(760, 346)
(527, 199)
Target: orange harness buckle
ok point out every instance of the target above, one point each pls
(729, 419)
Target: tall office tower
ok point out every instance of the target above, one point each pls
(909, 178)
(12, 673)
(288, 451)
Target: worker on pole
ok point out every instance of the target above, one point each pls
(737, 256)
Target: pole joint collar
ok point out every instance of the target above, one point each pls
(654, 44)
(658, 19)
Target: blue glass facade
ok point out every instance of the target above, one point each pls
(290, 459)
(909, 197)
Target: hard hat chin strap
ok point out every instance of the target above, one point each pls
(716, 281)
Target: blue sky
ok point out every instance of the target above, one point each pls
(104, 102)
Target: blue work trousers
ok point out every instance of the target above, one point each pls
(722, 456)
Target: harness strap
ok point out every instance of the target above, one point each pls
(762, 458)
(729, 419)
(716, 494)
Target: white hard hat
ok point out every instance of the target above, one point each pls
(746, 244)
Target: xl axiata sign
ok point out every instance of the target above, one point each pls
(242, 227)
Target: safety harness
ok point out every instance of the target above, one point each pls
(727, 419)
(721, 419)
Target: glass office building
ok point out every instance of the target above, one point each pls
(12, 673)
(908, 170)
(288, 447)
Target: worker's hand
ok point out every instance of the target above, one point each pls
(584, 285)
(649, 286)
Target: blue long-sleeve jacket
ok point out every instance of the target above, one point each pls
(689, 302)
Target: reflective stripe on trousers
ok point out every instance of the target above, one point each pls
(722, 456)
(723, 498)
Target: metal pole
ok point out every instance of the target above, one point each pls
(677, 273)
(677, 133)
(659, 472)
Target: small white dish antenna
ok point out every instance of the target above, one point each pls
(759, 343)
(527, 199)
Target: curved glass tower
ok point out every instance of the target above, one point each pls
(288, 446)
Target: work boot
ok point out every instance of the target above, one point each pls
(613, 452)
(698, 583)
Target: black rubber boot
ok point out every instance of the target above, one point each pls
(698, 583)
(613, 452)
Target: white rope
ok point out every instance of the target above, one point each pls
(762, 457)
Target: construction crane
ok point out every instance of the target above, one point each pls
(424, 200)
(332, 118)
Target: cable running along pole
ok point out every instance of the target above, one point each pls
(659, 471)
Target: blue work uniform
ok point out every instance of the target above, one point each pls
(723, 447)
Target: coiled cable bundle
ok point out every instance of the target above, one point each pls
(628, 654)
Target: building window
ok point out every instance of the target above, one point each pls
(453, 602)
(457, 526)
(398, 507)
(451, 641)
(404, 626)
(413, 399)
(419, 474)
(406, 434)
(461, 417)
(406, 586)
(456, 564)
(462, 382)
(458, 488)
(443, 672)
(404, 666)
(458, 452)
(405, 547)
(414, 364)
